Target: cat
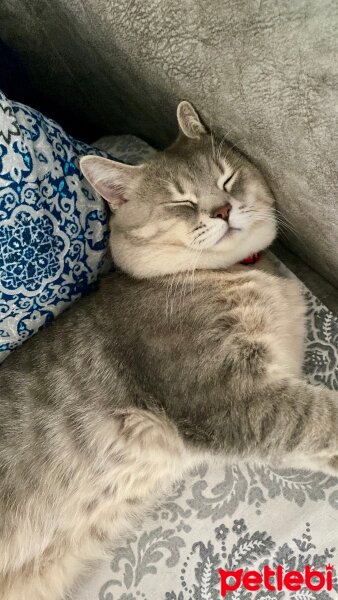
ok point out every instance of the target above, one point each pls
(183, 351)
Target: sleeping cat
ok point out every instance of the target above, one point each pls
(183, 352)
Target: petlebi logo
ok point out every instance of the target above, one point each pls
(241, 562)
(276, 580)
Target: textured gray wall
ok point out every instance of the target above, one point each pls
(264, 72)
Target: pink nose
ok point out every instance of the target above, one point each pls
(223, 212)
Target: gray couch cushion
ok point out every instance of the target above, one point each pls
(263, 73)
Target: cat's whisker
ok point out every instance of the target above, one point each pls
(184, 285)
(291, 226)
(223, 139)
(285, 225)
(234, 145)
(198, 255)
(284, 220)
(192, 270)
(168, 293)
(220, 146)
(283, 228)
(213, 144)
(190, 279)
(168, 169)
(288, 227)
(170, 183)
(175, 291)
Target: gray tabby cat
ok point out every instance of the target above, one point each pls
(185, 351)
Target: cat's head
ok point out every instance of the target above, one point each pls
(199, 204)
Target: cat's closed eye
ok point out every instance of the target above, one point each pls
(183, 203)
(227, 181)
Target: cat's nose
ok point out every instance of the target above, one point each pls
(223, 212)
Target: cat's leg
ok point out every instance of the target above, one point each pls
(295, 325)
(304, 422)
(48, 584)
(52, 577)
(150, 455)
(274, 422)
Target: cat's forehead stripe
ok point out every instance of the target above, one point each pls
(176, 188)
(179, 187)
(218, 163)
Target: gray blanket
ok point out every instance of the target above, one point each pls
(262, 72)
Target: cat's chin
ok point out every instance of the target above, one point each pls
(228, 241)
(230, 233)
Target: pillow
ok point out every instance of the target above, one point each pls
(53, 227)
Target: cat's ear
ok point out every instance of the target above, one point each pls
(112, 180)
(189, 121)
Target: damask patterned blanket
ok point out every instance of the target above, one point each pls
(53, 229)
(231, 516)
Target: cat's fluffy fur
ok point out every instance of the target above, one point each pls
(189, 352)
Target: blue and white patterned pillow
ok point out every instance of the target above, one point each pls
(53, 228)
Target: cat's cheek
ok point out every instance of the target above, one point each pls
(146, 232)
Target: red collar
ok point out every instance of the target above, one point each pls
(252, 259)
